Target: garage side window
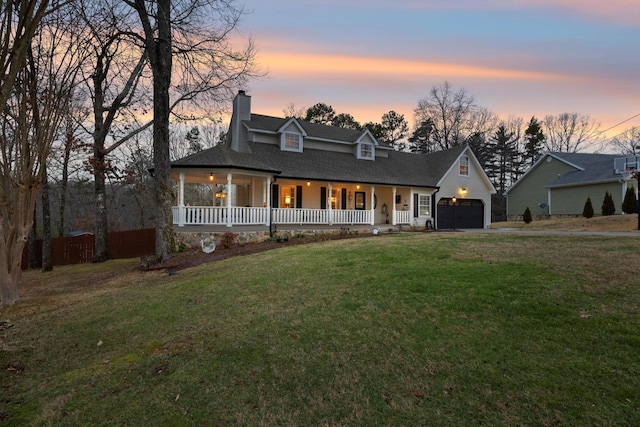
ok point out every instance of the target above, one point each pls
(424, 205)
(464, 166)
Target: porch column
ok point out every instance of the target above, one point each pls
(267, 200)
(181, 212)
(329, 195)
(373, 209)
(393, 207)
(229, 179)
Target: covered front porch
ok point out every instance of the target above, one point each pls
(238, 199)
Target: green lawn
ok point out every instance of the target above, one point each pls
(403, 330)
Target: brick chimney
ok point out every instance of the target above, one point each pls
(237, 131)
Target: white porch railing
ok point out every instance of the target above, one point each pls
(213, 215)
(299, 216)
(351, 216)
(320, 216)
(402, 217)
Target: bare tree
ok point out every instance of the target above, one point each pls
(628, 142)
(29, 123)
(450, 114)
(208, 71)
(569, 132)
(20, 20)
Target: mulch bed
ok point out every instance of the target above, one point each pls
(194, 256)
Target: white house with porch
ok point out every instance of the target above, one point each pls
(277, 172)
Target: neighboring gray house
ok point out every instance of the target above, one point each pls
(560, 183)
(286, 171)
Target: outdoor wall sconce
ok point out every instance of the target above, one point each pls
(211, 177)
(358, 187)
(308, 183)
(463, 191)
(454, 200)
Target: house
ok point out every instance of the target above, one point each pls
(285, 172)
(560, 183)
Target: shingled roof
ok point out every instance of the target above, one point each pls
(271, 124)
(422, 170)
(591, 168)
(222, 156)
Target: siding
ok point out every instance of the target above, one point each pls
(571, 200)
(531, 191)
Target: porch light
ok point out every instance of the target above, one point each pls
(463, 191)
(308, 183)
(358, 187)
(454, 200)
(211, 177)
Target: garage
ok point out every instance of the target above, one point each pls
(464, 213)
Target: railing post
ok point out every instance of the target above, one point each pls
(229, 217)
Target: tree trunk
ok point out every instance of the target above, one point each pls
(32, 252)
(46, 224)
(160, 57)
(101, 251)
(10, 272)
(13, 237)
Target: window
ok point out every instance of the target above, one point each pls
(365, 151)
(464, 166)
(292, 142)
(335, 198)
(288, 197)
(424, 205)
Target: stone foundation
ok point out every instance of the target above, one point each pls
(192, 240)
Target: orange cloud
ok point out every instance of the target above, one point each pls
(293, 65)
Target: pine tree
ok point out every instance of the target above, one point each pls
(587, 212)
(608, 207)
(534, 139)
(526, 217)
(630, 204)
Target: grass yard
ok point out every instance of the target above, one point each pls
(398, 330)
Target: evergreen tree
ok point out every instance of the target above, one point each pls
(630, 204)
(504, 147)
(534, 139)
(320, 113)
(526, 217)
(608, 207)
(587, 212)
(420, 141)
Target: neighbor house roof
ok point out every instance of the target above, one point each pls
(591, 168)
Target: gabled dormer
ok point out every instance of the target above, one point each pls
(365, 146)
(292, 136)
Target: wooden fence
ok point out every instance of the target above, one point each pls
(79, 249)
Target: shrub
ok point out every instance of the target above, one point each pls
(630, 204)
(526, 217)
(228, 239)
(608, 208)
(587, 212)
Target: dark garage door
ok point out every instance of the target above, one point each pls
(466, 213)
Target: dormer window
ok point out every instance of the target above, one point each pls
(464, 166)
(365, 151)
(291, 141)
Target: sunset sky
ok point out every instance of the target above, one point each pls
(516, 57)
